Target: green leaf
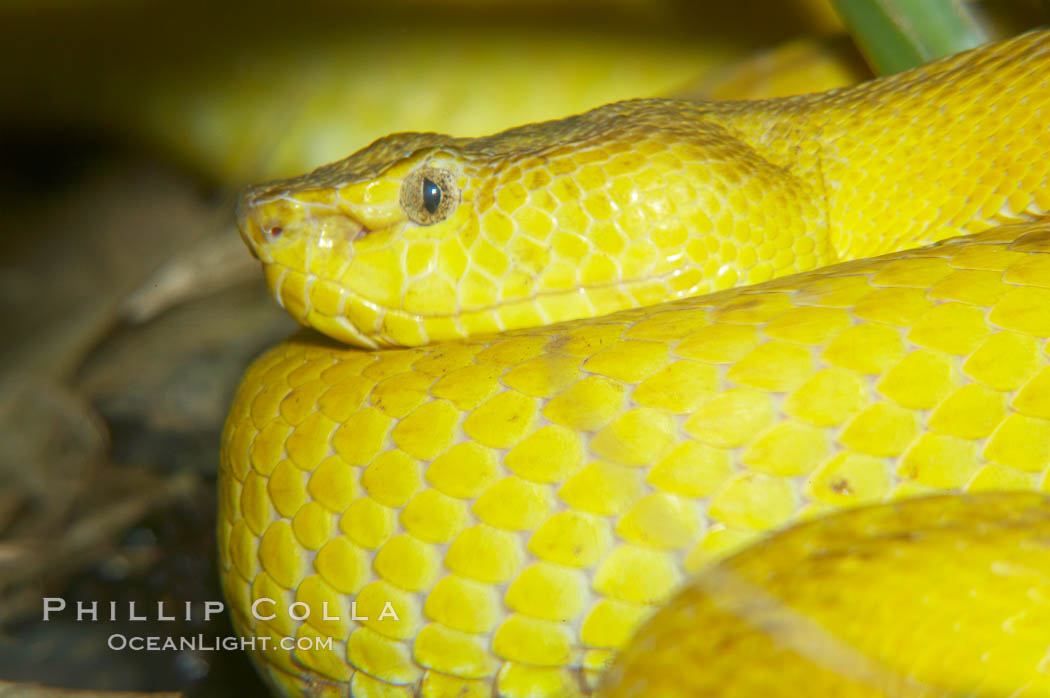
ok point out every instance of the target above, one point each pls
(896, 35)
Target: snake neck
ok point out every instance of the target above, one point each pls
(939, 151)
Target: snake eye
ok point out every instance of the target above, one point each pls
(429, 195)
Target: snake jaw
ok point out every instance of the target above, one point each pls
(309, 242)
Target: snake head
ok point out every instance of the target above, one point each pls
(349, 248)
(422, 237)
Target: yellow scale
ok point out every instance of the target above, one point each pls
(524, 500)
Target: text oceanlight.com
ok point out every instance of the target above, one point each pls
(204, 643)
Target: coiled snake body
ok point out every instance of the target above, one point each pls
(571, 427)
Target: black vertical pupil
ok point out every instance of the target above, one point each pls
(431, 196)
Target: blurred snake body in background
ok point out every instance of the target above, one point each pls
(544, 425)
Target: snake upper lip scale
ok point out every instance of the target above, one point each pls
(260, 230)
(618, 355)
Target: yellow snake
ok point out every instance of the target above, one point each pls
(572, 428)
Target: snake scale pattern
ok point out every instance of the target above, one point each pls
(593, 355)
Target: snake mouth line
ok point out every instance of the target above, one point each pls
(350, 296)
(349, 317)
